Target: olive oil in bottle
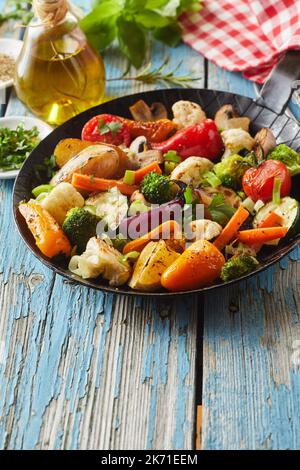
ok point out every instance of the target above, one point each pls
(58, 74)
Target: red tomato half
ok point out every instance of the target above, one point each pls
(258, 182)
(107, 129)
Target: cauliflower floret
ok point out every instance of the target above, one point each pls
(190, 171)
(204, 229)
(187, 113)
(61, 199)
(101, 259)
(111, 206)
(236, 140)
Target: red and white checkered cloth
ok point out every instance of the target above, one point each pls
(247, 36)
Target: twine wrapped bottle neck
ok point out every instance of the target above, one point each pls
(50, 12)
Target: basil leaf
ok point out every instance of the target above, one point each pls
(135, 5)
(100, 25)
(150, 19)
(220, 211)
(132, 41)
(169, 35)
(153, 4)
(113, 127)
(170, 8)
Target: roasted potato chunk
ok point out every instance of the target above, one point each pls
(155, 258)
(67, 149)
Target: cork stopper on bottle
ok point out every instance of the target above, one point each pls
(50, 12)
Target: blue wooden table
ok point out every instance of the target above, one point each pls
(81, 369)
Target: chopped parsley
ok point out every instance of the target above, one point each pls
(16, 145)
(113, 127)
(220, 211)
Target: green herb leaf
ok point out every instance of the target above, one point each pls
(15, 146)
(169, 35)
(114, 127)
(134, 5)
(132, 41)
(100, 25)
(132, 21)
(153, 4)
(105, 128)
(220, 211)
(161, 75)
(151, 19)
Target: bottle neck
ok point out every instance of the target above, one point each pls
(50, 12)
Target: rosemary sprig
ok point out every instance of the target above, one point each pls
(160, 75)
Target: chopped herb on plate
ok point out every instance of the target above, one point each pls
(16, 145)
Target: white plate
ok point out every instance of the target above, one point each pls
(12, 48)
(29, 122)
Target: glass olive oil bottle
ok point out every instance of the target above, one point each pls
(58, 74)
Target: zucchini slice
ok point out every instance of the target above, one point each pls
(288, 209)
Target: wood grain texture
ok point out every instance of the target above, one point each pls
(251, 385)
(83, 370)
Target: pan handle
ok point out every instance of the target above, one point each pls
(280, 85)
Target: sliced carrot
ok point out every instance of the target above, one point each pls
(90, 183)
(48, 235)
(261, 235)
(165, 230)
(271, 220)
(139, 174)
(230, 230)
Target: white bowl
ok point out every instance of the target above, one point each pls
(29, 122)
(12, 48)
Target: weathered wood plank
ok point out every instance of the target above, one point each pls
(250, 384)
(80, 369)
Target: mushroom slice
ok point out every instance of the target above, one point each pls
(142, 112)
(139, 144)
(158, 111)
(225, 113)
(139, 160)
(228, 118)
(264, 143)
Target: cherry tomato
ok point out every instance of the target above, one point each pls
(258, 181)
(108, 129)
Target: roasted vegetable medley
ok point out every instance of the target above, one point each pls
(165, 204)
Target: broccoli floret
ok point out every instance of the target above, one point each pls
(157, 188)
(79, 226)
(231, 170)
(288, 156)
(238, 266)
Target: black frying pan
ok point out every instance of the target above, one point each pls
(267, 111)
